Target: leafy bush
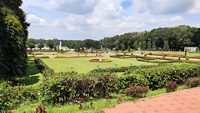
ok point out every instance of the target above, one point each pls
(136, 91)
(11, 97)
(39, 65)
(44, 69)
(157, 76)
(67, 87)
(171, 86)
(132, 80)
(193, 82)
(115, 70)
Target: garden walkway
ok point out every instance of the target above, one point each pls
(185, 101)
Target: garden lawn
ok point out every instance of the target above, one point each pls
(83, 65)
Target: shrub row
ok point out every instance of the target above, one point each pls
(193, 82)
(43, 68)
(155, 61)
(122, 56)
(157, 76)
(10, 96)
(136, 91)
(64, 87)
(115, 70)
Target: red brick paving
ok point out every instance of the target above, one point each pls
(185, 101)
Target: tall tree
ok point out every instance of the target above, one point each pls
(13, 36)
(159, 43)
(31, 43)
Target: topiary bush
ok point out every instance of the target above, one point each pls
(136, 91)
(193, 82)
(171, 86)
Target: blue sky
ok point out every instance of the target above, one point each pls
(81, 19)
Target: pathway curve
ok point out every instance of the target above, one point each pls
(185, 101)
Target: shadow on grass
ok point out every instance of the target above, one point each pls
(32, 77)
(32, 69)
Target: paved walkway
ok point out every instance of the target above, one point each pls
(185, 101)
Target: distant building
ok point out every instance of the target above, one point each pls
(191, 49)
(62, 47)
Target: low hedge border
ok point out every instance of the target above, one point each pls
(157, 76)
(155, 61)
(43, 68)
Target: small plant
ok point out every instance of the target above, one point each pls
(136, 91)
(119, 99)
(80, 100)
(40, 109)
(171, 86)
(193, 82)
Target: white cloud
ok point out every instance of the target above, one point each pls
(196, 8)
(100, 18)
(35, 20)
(72, 6)
(165, 19)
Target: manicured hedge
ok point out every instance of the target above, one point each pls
(157, 76)
(65, 87)
(44, 69)
(115, 70)
(129, 80)
(155, 60)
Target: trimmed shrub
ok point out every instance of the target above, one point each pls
(132, 80)
(43, 68)
(65, 87)
(193, 82)
(136, 91)
(171, 86)
(157, 76)
(115, 70)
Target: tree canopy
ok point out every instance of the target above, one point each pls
(13, 36)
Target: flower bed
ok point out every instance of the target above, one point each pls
(100, 60)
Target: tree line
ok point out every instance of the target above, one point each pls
(77, 45)
(174, 39)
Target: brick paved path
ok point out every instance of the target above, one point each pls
(185, 101)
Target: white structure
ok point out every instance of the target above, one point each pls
(191, 49)
(63, 48)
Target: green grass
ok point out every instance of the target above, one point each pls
(33, 76)
(83, 65)
(95, 107)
